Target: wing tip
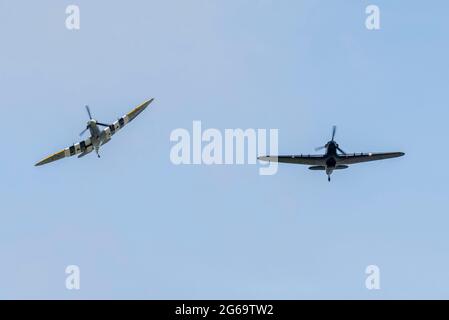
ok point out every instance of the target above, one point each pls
(397, 154)
(143, 106)
(264, 158)
(146, 103)
(42, 162)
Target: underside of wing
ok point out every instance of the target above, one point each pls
(314, 160)
(82, 147)
(365, 157)
(121, 122)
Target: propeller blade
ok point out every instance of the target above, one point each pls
(84, 131)
(103, 124)
(338, 148)
(320, 148)
(88, 112)
(334, 129)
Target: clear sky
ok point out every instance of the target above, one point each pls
(140, 227)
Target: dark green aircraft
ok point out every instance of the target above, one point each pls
(334, 158)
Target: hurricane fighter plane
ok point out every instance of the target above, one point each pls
(97, 137)
(334, 158)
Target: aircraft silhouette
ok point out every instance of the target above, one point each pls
(334, 158)
(97, 137)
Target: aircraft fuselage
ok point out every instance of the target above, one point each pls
(331, 157)
(96, 136)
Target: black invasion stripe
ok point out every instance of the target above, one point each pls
(83, 146)
(121, 121)
(112, 128)
(72, 150)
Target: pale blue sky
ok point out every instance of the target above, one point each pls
(140, 227)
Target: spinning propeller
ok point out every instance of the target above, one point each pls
(92, 122)
(334, 130)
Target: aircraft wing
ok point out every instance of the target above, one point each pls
(298, 159)
(364, 157)
(84, 146)
(121, 122)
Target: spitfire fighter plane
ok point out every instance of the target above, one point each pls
(97, 137)
(334, 158)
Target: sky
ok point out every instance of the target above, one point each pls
(140, 227)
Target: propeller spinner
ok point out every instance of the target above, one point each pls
(92, 122)
(334, 130)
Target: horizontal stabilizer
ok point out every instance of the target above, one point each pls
(317, 168)
(339, 167)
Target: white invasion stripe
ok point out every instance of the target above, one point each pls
(107, 132)
(77, 148)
